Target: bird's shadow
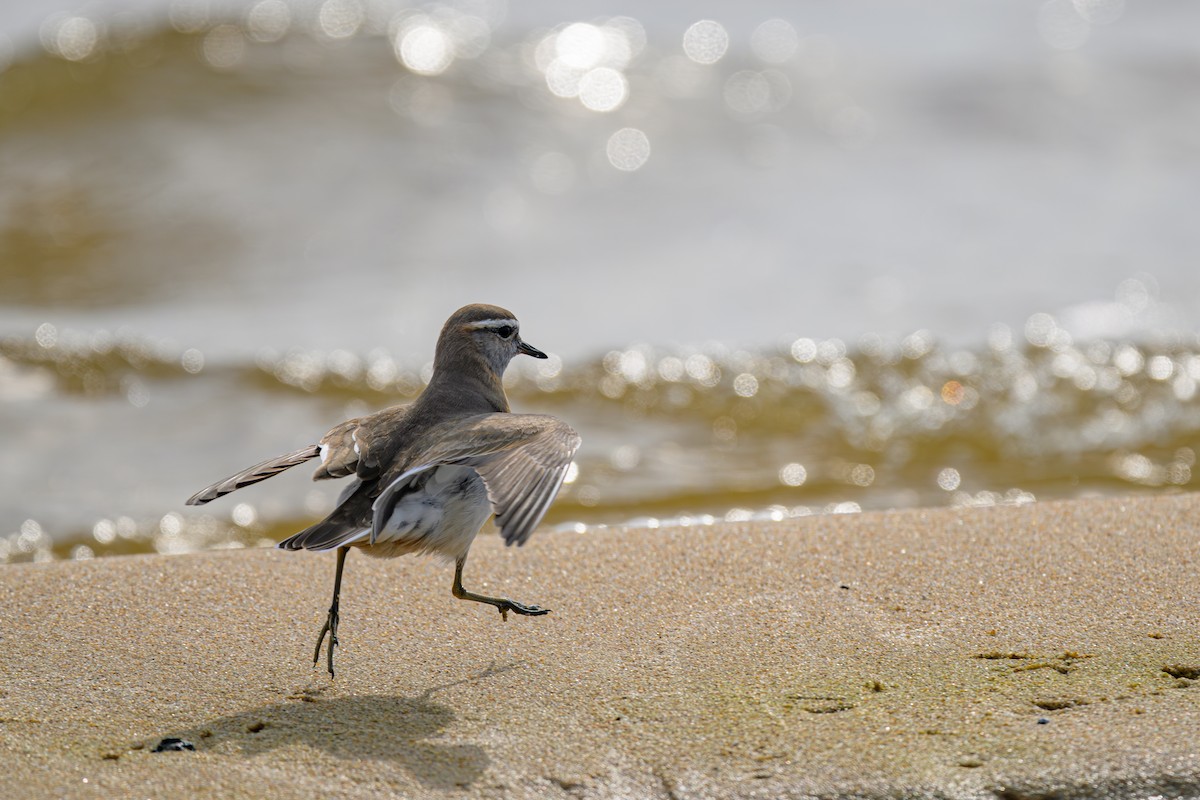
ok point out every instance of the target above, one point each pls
(388, 728)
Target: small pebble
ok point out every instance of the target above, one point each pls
(1043, 721)
(171, 744)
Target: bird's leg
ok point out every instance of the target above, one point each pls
(502, 603)
(331, 621)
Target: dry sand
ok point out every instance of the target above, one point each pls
(1045, 651)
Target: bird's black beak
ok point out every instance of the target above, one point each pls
(530, 350)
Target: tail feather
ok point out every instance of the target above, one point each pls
(347, 523)
(259, 472)
(333, 531)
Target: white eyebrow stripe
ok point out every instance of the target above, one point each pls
(492, 323)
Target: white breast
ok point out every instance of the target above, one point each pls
(441, 514)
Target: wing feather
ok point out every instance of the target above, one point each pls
(381, 509)
(519, 505)
(522, 459)
(544, 506)
(524, 508)
(251, 475)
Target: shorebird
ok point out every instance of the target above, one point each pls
(428, 475)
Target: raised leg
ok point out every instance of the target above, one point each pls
(502, 603)
(331, 621)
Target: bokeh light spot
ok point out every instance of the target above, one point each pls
(747, 93)
(952, 393)
(424, 48)
(949, 479)
(192, 360)
(1160, 368)
(580, 45)
(706, 41)
(775, 41)
(862, 475)
(104, 531)
(626, 457)
(562, 79)
(841, 373)
(1040, 329)
(603, 89)
(224, 47)
(793, 474)
(628, 149)
(340, 19)
(189, 16)
(171, 524)
(804, 350)
(268, 20)
(745, 385)
(244, 515)
(46, 335)
(76, 38)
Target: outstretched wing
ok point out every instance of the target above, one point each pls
(355, 447)
(259, 472)
(522, 459)
(523, 481)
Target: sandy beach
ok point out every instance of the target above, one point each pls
(1050, 650)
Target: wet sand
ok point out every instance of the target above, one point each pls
(1051, 650)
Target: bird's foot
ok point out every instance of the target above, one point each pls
(502, 604)
(330, 627)
(507, 605)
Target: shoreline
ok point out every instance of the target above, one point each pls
(1043, 650)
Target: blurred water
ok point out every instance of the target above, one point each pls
(791, 258)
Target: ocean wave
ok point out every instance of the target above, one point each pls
(693, 436)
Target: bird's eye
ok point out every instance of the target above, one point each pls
(505, 331)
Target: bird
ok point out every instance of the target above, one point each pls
(426, 476)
